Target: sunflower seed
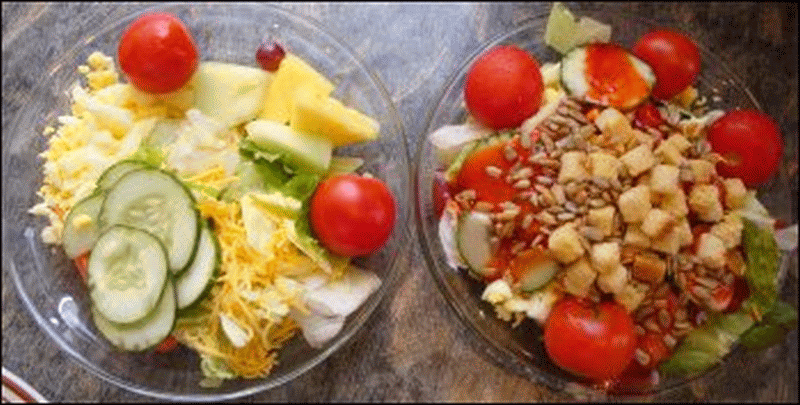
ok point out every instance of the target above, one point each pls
(518, 247)
(521, 184)
(507, 229)
(651, 325)
(570, 104)
(559, 119)
(549, 145)
(597, 203)
(639, 330)
(663, 318)
(558, 194)
(641, 357)
(510, 153)
(534, 200)
(565, 143)
(565, 216)
(669, 340)
(592, 233)
(546, 218)
(538, 239)
(707, 282)
(601, 182)
(494, 171)
(546, 199)
(580, 198)
(527, 221)
(607, 196)
(544, 180)
(522, 173)
(525, 141)
(644, 311)
(494, 243)
(484, 206)
(571, 207)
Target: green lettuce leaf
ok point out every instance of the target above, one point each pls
(705, 346)
(763, 261)
(779, 321)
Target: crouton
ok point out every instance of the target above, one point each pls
(602, 219)
(657, 222)
(711, 251)
(704, 201)
(613, 281)
(638, 160)
(664, 179)
(565, 245)
(605, 257)
(573, 167)
(735, 193)
(634, 204)
(578, 277)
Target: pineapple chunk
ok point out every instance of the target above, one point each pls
(230, 93)
(634, 204)
(664, 179)
(565, 245)
(329, 118)
(638, 160)
(292, 75)
(578, 277)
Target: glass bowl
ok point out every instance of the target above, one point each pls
(521, 349)
(45, 279)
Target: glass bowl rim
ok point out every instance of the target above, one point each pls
(366, 311)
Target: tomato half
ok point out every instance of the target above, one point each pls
(751, 143)
(588, 339)
(352, 215)
(674, 58)
(157, 53)
(504, 87)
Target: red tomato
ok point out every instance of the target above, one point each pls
(157, 53)
(674, 58)
(751, 143)
(82, 264)
(647, 116)
(167, 345)
(653, 344)
(352, 215)
(504, 87)
(591, 340)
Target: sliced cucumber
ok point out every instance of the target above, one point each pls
(147, 332)
(620, 91)
(80, 227)
(193, 283)
(117, 170)
(535, 269)
(154, 200)
(474, 231)
(127, 270)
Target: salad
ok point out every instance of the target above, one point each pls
(203, 204)
(601, 198)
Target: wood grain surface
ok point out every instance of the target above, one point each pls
(414, 348)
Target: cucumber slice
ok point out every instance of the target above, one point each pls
(196, 280)
(154, 200)
(80, 227)
(117, 170)
(621, 89)
(147, 332)
(535, 269)
(474, 231)
(127, 270)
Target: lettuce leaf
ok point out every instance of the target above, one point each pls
(705, 346)
(773, 328)
(763, 261)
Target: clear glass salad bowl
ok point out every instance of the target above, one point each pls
(521, 349)
(46, 280)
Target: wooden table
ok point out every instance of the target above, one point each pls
(414, 348)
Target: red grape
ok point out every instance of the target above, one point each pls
(269, 55)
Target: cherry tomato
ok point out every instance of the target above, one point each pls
(167, 345)
(653, 344)
(647, 116)
(592, 340)
(750, 142)
(504, 87)
(352, 215)
(674, 58)
(82, 264)
(157, 53)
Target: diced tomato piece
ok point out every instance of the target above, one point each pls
(167, 345)
(82, 264)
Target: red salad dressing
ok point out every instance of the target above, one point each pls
(612, 77)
